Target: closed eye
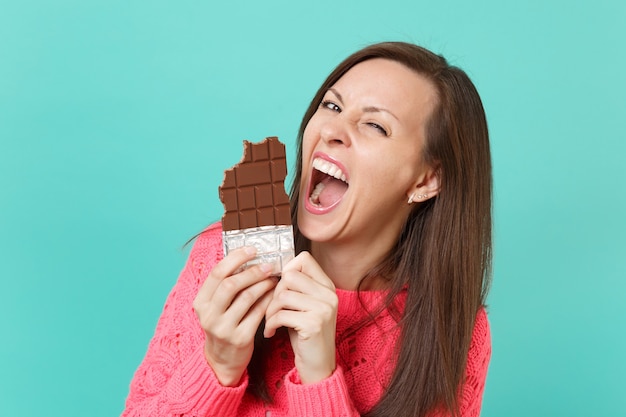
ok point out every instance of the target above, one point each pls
(378, 128)
(330, 106)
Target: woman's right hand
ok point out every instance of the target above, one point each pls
(230, 306)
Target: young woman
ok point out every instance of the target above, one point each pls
(382, 311)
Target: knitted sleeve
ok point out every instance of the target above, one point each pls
(174, 378)
(329, 397)
(471, 392)
(476, 368)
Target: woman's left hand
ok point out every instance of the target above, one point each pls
(305, 302)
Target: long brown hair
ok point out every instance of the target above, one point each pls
(443, 254)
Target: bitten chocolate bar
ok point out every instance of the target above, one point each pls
(256, 206)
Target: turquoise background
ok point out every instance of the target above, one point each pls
(117, 119)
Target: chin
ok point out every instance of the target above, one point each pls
(314, 228)
(323, 230)
(307, 227)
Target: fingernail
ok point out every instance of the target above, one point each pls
(266, 267)
(250, 250)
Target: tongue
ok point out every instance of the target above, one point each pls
(333, 190)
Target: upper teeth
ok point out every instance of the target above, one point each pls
(329, 168)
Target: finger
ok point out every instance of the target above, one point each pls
(304, 323)
(301, 282)
(306, 264)
(233, 261)
(248, 299)
(297, 282)
(289, 300)
(230, 287)
(297, 301)
(252, 320)
(226, 267)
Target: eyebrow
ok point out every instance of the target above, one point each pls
(368, 109)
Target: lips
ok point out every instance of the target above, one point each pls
(328, 184)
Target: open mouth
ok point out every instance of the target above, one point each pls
(328, 184)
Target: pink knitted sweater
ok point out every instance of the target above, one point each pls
(174, 378)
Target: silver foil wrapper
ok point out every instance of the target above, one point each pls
(274, 245)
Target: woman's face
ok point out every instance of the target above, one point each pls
(361, 154)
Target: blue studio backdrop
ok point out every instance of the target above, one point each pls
(118, 118)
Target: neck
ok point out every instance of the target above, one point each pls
(347, 264)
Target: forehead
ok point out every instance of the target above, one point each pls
(390, 84)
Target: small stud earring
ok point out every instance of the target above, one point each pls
(411, 198)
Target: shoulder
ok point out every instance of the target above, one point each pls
(207, 250)
(482, 333)
(210, 237)
(480, 346)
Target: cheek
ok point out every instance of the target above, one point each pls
(308, 140)
(385, 162)
(389, 173)
(312, 128)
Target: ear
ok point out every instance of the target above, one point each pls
(426, 186)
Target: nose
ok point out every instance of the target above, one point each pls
(336, 131)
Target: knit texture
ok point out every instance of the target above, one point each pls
(174, 378)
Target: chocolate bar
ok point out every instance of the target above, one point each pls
(256, 206)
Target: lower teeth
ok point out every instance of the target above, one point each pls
(315, 195)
